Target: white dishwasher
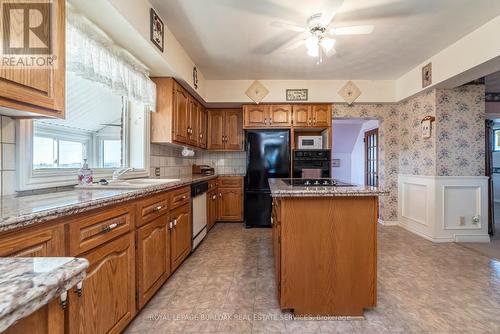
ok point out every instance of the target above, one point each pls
(199, 218)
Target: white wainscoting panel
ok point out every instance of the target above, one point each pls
(432, 207)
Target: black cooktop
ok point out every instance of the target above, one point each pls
(316, 183)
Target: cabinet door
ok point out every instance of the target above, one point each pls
(216, 129)
(38, 90)
(108, 302)
(180, 114)
(302, 115)
(47, 320)
(280, 116)
(256, 116)
(153, 258)
(321, 115)
(233, 130)
(180, 235)
(193, 116)
(202, 127)
(211, 209)
(231, 204)
(39, 243)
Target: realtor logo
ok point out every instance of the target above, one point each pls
(26, 33)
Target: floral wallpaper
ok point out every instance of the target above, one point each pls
(417, 155)
(460, 127)
(456, 147)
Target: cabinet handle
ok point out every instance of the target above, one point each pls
(270, 121)
(220, 195)
(184, 197)
(109, 227)
(170, 225)
(64, 300)
(158, 208)
(265, 120)
(214, 197)
(175, 222)
(201, 135)
(314, 121)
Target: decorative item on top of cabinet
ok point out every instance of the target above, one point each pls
(179, 118)
(225, 130)
(35, 91)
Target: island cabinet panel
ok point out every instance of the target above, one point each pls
(38, 90)
(47, 320)
(328, 255)
(108, 302)
(37, 243)
(180, 235)
(276, 236)
(153, 258)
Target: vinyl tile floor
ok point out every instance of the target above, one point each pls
(227, 286)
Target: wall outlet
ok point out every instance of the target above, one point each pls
(157, 171)
(462, 220)
(476, 220)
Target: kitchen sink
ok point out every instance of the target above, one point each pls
(129, 184)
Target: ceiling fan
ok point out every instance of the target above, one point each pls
(319, 33)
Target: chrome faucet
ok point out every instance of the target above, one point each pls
(117, 174)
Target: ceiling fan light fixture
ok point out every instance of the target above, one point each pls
(327, 44)
(313, 51)
(312, 42)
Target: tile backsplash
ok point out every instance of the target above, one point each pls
(7, 156)
(172, 164)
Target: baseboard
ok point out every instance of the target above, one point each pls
(425, 236)
(472, 238)
(388, 222)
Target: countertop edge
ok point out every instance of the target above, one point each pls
(61, 280)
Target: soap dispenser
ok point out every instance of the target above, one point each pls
(85, 174)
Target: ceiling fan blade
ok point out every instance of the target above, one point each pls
(288, 26)
(267, 8)
(353, 30)
(292, 44)
(329, 10)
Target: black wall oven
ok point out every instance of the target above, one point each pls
(311, 164)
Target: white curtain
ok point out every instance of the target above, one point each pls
(91, 54)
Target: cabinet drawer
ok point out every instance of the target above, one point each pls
(212, 184)
(231, 182)
(91, 231)
(38, 243)
(179, 197)
(152, 208)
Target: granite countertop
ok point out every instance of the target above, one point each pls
(27, 284)
(20, 211)
(280, 189)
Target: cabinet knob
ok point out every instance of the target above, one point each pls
(265, 121)
(170, 225)
(175, 222)
(220, 195)
(214, 197)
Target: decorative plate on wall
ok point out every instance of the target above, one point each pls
(350, 92)
(257, 92)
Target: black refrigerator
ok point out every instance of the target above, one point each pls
(268, 156)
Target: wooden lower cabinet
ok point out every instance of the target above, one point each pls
(153, 258)
(212, 205)
(180, 235)
(47, 320)
(107, 304)
(38, 243)
(230, 204)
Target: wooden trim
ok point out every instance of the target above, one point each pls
(368, 135)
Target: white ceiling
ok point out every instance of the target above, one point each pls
(231, 39)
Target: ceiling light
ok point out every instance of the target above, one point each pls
(313, 51)
(327, 44)
(312, 42)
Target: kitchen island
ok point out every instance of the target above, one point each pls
(325, 247)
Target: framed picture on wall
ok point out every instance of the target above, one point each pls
(335, 162)
(157, 30)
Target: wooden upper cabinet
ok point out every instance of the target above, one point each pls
(255, 116)
(202, 127)
(280, 116)
(153, 258)
(302, 115)
(225, 130)
(181, 113)
(107, 304)
(216, 129)
(321, 115)
(39, 90)
(180, 235)
(233, 130)
(193, 118)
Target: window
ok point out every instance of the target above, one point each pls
(496, 140)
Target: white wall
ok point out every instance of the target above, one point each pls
(358, 153)
(342, 173)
